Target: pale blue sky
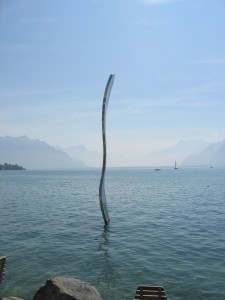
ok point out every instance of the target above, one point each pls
(168, 57)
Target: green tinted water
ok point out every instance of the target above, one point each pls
(167, 228)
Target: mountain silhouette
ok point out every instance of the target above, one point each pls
(213, 155)
(91, 158)
(35, 154)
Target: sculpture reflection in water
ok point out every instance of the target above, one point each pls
(102, 197)
(109, 281)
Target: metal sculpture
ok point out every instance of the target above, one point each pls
(102, 197)
(2, 267)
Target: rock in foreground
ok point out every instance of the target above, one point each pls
(10, 298)
(60, 288)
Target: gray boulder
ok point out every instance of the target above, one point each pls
(60, 288)
(10, 298)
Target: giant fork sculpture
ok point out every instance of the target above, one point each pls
(102, 198)
(2, 267)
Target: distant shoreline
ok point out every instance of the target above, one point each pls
(10, 167)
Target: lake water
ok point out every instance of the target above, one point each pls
(167, 228)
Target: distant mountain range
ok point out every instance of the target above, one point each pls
(178, 152)
(213, 155)
(38, 155)
(189, 153)
(35, 154)
(91, 158)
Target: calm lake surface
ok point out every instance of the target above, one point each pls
(167, 228)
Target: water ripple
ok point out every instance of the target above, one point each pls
(166, 229)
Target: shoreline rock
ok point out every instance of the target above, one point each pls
(10, 298)
(61, 288)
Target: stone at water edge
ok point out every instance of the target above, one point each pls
(10, 298)
(61, 288)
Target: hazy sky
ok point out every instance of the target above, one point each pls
(168, 57)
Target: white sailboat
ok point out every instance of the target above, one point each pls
(175, 167)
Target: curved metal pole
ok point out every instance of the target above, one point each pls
(102, 198)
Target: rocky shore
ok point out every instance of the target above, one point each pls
(61, 288)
